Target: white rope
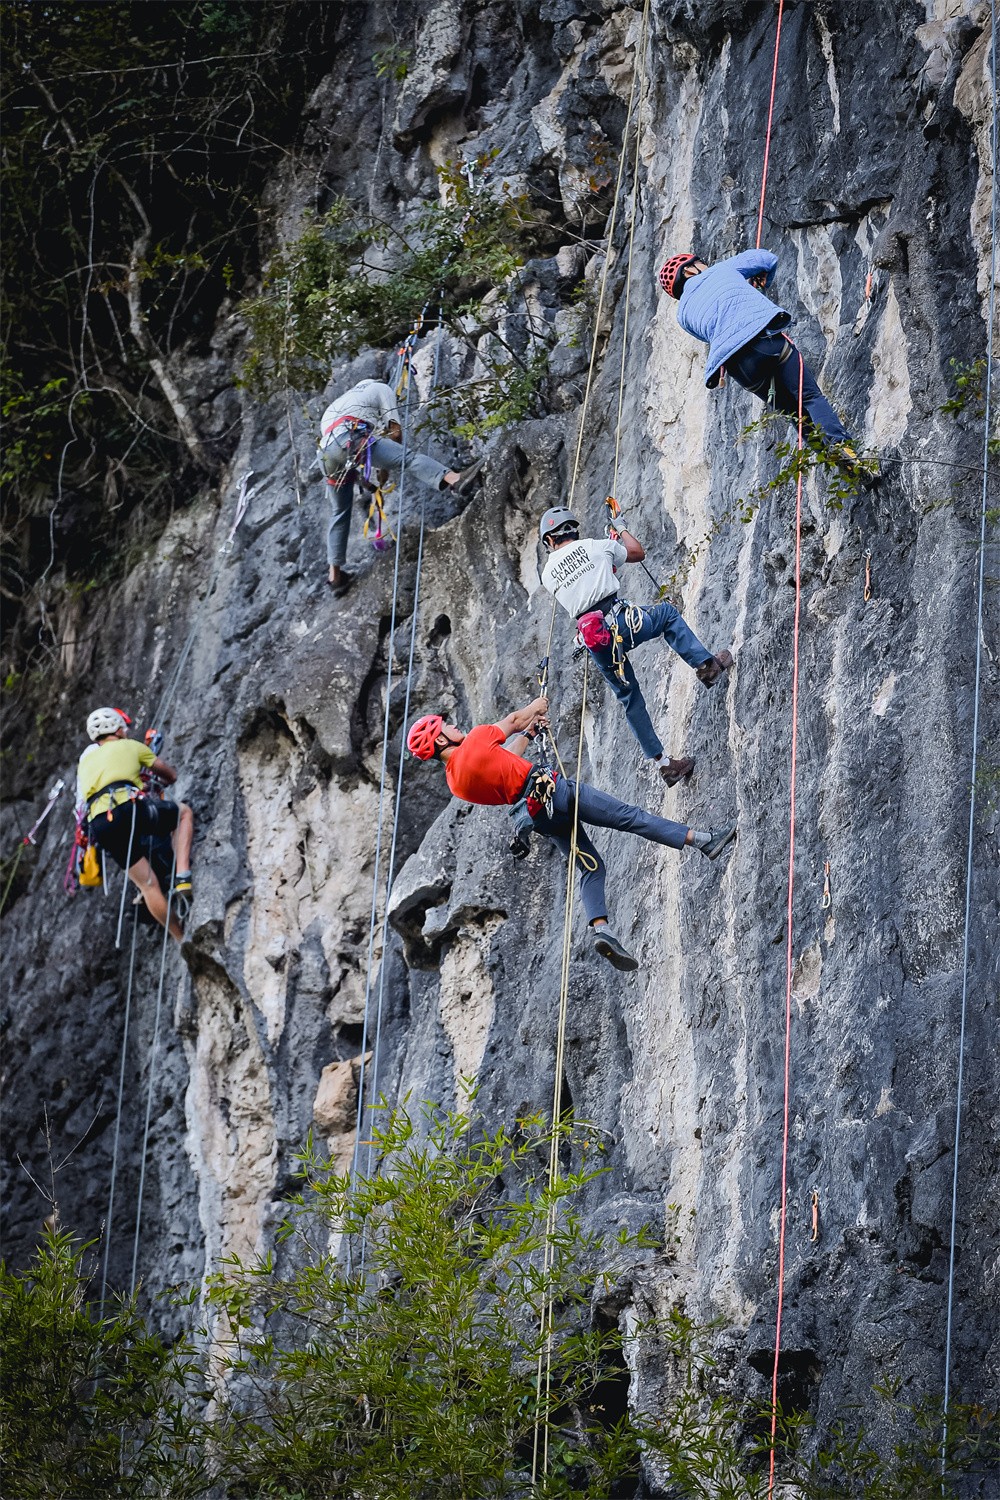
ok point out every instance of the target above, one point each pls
(109, 1220)
(152, 1077)
(975, 734)
(373, 920)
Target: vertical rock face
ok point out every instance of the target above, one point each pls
(877, 206)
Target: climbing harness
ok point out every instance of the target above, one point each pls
(356, 450)
(974, 770)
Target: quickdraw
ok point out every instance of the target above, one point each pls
(376, 513)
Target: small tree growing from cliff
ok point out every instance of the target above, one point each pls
(91, 1405)
(414, 1372)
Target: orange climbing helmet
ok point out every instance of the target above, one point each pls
(671, 277)
(422, 735)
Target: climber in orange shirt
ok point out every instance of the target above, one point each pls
(480, 768)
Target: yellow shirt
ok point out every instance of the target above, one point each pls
(115, 760)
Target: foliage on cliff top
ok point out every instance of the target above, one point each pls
(349, 280)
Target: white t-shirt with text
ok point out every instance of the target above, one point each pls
(582, 573)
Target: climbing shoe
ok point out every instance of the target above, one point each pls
(674, 771)
(182, 883)
(710, 671)
(718, 838)
(339, 589)
(463, 484)
(608, 946)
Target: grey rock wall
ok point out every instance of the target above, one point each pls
(880, 166)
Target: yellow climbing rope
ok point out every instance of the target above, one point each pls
(543, 1379)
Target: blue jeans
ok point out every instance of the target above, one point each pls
(385, 454)
(756, 365)
(657, 619)
(600, 810)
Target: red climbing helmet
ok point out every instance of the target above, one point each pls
(671, 278)
(420, 740)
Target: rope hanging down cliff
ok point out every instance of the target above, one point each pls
(980, 595)
(406, 354)
(243, 500)
(543, 1379)
(789, 911)
(636, 88)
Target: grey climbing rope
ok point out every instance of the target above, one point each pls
(152, 1078)
(400, 771)
(109, 1219)
(373, 920)
(959, 1086)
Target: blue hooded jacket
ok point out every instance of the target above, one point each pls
(720, 307)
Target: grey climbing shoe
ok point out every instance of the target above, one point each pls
(608, 946)
(710, 671)
(466, 480)
(718, 838)
(674, 771)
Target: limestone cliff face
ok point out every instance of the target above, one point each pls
(880, 169)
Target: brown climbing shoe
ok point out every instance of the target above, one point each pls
(710, 671)
(674, 771)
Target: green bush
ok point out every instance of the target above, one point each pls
(350, 281)
(413, 1371)
(419, 1366)
(91, 1405)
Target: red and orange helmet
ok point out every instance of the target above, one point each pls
(671, 277)
(422, 736)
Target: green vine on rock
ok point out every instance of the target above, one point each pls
(350, 281)
(816, 456)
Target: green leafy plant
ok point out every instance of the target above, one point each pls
(91, 1404)
(349, 280)
(413, 1370)
(418, 1366)
(970, 395)
(815, 456)
(392, 61)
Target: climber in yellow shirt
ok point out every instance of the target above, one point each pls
(122, 818)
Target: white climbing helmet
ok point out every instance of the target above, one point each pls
(105, 721)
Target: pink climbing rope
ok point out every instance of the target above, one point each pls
(789, 950)
(770, 118)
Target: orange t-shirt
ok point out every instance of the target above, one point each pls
(481, 770)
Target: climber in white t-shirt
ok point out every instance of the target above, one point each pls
(582, 575)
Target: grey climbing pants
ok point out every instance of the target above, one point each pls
(343, 482)
(600, 810)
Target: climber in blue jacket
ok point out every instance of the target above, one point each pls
(724, 306)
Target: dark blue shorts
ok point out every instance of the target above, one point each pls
(154, 818)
